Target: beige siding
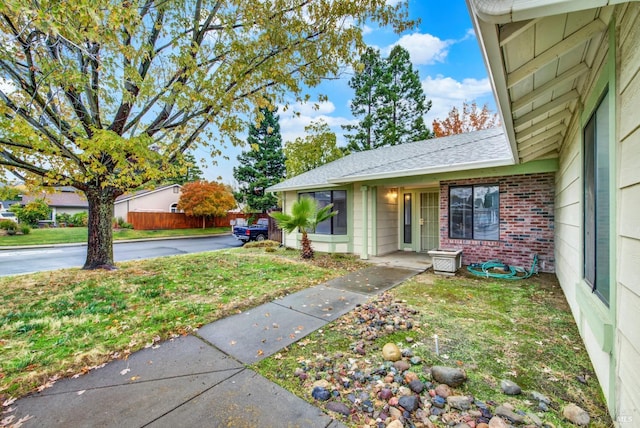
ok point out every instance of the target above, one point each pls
(154, 201)
(387, 221)
(628, 301)
(627, 259)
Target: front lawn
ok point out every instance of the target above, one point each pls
(520, 331)
(64, 322)
(68, 235)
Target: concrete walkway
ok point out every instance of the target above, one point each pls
(202, 380)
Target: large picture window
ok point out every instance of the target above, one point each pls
(474, 212)
(336, 225)
(596, 201)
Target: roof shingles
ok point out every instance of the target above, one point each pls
(476, 149)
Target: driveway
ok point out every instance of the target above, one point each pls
(21, 261)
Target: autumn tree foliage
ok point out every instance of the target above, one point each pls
(467, 120)
(106, 96)
(206, 199)
(316, 148)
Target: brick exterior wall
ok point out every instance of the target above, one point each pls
(526, 222)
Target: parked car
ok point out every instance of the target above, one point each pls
(8, 215)
(256, 232)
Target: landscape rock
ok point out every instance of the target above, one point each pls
(322, 383)
(401, 365)
(505, 412)
(443, 390)
(497, 422)
(438, 401)
(391, 352)
(416, 386)
(509, 387)
(448, 375)
(409, 403)
(482, 425)
(576, 414)
(535, 419)
(338, 407)
(459, 402)
(395, 424)
(540, 397)
(320, 393)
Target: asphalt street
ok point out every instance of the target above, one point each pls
(21, 261)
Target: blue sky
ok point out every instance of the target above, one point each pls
(443, 49)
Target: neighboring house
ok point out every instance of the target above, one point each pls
(163, 199)
(64, 200)
(562, 181)
(6, 205)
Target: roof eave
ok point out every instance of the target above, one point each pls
(506, 11)
(299, 187)
(487, 36)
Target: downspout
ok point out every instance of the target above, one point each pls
(364, 253)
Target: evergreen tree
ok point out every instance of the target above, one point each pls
(365, 102)
(389, 100)
(189, 171)
(262, 165)
(401, 116)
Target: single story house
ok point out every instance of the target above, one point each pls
(461, 191)
(561, 179)
(162, 199)
(64, 200)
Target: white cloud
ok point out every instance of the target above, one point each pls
(446, 92)
(299, 115)
(424, 48)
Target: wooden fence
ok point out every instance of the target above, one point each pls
(159, 221)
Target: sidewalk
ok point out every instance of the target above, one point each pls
(202, 380)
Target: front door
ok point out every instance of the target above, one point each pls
(429, 221)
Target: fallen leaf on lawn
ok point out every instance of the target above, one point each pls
(278, 356)
(125, 371)
(8, 402)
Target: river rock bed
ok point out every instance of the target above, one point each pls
(366, 390)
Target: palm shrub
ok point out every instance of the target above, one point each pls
(305, 216)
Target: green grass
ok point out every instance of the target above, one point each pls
(64, 322)
(522, 331)
(68, 235)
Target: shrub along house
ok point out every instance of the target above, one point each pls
(562, 180)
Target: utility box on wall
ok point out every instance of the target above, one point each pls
(446, 261)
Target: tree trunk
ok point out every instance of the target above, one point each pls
(306, 251)
(100, 243)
